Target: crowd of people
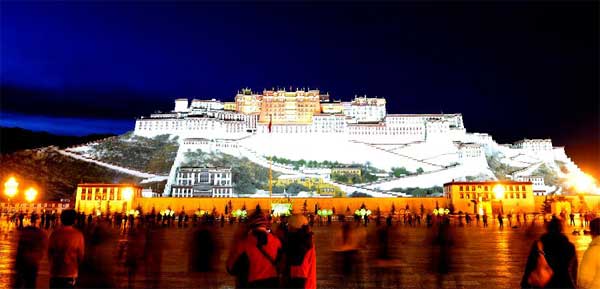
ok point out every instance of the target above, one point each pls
(269, 253)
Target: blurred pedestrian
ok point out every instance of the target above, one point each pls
(97, 268)
(442, 251)
(65, 252)
(347, 248)
(384, 267)
(134, 255)
(204, 252)
(300, 255)
(589, 271)
(261, 250)
(30, 251)
(153, 249)
(485, 220)
(558, 252)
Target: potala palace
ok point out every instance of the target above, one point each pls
(308, 125)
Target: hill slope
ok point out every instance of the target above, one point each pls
(14, 139)
(54, 174)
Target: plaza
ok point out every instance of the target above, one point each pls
(490, 257)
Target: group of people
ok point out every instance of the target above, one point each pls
(552, 262)
(47, 219)
(265, 254)
(285, 258)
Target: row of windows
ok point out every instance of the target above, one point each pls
(492, 196)
(39, 205)
(101, 196)
(488, 188)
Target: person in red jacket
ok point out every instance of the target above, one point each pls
(257, 255)
(300, 254)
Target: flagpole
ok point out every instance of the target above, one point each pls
(270, 177)
(270, 163)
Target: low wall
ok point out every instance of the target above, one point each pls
(340, 204)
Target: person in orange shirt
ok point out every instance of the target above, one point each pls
(261, 253)
(65, 252)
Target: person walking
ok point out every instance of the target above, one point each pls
(559, 253)
(65, 252)
(485, 220)
(30, 251)
(588, 276)
(261, 251)
(500, 221)
(204, 251)
(300, 255)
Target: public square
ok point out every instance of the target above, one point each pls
(490, 257)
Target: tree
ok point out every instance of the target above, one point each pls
(420, 171)
(398, 172)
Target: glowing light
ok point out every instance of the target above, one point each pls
(239, 213)
(10, 187)
(30, 194)
(127, 194)
(282, 209)
(582, 182)
(498, 191)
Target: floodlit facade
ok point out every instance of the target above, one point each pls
(203, 182)
(92, 198)
(299, 112)
(490, 197)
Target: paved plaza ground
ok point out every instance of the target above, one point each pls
(481, 257)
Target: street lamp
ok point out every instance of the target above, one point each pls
(498, 191)
(127, 194)
(10, 189)
(30, 194)
(499, 194)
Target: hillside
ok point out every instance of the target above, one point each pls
(14, 139)
(54, 174)
(151, 155)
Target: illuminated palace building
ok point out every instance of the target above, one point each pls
(106, 197)
(298, 112)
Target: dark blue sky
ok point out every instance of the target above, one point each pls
(513, 69)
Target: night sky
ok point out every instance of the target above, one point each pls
(513, 70)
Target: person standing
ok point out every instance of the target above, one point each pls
(65, 252)
(572, 219)
(301, 256)
(485, 220)
(559, 253)
(589, 271)
(500, 221)
(30, 251)
(261, 251)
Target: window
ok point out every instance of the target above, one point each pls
(473, 188)
(522, 188)
(524, 195)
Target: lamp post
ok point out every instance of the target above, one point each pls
(30, 195)
(499, 194)
(10, 190)
(127, 196)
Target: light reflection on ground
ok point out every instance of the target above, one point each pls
(480, 256)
